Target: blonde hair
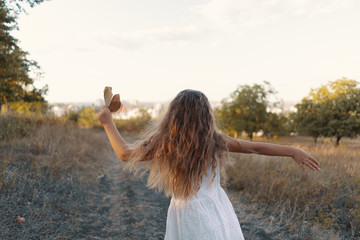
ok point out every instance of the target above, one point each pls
(181, 148)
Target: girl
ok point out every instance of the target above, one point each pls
(183, 155)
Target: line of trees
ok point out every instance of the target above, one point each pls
(333, 110)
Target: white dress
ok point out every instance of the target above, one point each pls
(208, 216)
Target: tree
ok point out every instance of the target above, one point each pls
(16, 84)
(341, 101)
(308, 119)
(333, 110)
(276, 124)
(246, 110)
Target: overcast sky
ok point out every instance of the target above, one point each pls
(150, 50)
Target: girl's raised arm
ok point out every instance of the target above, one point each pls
(300, 156)
(121, 148)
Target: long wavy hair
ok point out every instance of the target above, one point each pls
(180, 149)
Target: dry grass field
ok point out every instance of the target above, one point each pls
(328, 199)
(51, 174)
(53, 144)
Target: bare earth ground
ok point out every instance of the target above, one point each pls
(116, 206)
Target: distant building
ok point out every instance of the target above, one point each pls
(127, 113)
(134, 111)
(58, 111)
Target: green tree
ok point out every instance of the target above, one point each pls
(333, 110)
(341, 106)
(276, 124)
(308, 119)
(246, 110)
(16, 84)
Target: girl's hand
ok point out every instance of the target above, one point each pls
(104, 116)
(304, 159)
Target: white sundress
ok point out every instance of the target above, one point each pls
(209, 216)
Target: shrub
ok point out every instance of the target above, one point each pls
(87, 118)
(133, 125)
(15, 125)
(29, 108)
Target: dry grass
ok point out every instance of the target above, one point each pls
(65, 148)
(329, 199)
(54, 145)
(42, 165)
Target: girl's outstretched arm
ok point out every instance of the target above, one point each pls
(300, 156)
(121, 148)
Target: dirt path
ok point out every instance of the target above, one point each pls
(121, 207)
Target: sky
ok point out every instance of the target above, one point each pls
(149, 50)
